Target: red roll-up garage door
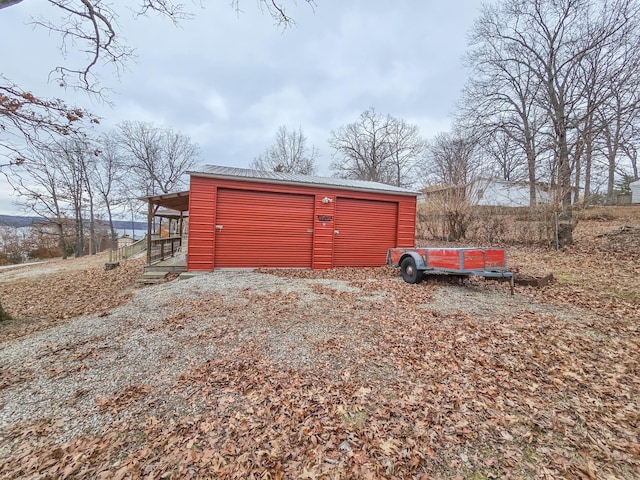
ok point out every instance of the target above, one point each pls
(263, 229)
(365, 230)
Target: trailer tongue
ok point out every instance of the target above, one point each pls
(414, 263)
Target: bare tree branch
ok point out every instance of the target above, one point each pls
(376, 148)
(289, 154)
(25, 118)
(158, 158)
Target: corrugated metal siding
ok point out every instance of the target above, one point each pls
(406, 237)
(365, 230)
(202, 212)
(263, 229)
(396, 212)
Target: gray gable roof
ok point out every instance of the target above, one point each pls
(233, 173)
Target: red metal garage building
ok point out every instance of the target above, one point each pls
(245, 218)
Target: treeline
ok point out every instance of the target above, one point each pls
(78, 183)
(553, 99)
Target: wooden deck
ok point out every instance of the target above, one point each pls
(177, 264)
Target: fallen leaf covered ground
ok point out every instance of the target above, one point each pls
(62, 290)
(352, 373)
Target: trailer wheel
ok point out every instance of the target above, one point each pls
(410, 272)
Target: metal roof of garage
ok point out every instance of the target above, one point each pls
(234, 173)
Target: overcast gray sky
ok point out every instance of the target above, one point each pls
(228, 81)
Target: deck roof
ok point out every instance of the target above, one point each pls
(178, 201)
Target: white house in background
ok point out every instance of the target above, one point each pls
(505, 193)
(492, 192)
(635, 191)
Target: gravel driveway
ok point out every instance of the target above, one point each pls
(70, 371)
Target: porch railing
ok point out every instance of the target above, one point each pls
(162, 248)
(122, 253)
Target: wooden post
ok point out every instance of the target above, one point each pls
(149, 218)
(180, 226)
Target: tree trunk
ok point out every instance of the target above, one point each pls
(611, 174)
(61, 243)
(79, 234)
(531, 167)
(111, 227)
(92, 228)
(587, 172)
(577, 171)
(576, 192)
(565, 225)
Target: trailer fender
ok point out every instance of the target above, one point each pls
(416, 258)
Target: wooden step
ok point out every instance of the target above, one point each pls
(150, 278)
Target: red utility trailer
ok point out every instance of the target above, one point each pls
(414, 263)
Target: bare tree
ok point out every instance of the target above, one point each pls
(157, 158)
(91, 26)
(630, 148)
(452, 168)
(377, 148)
(618, 115)
(506, 154)
(545, 45)
(105, 176)
(451, 160)
(500, 101)
(56, 183)
(38, 184)
(26, 120)
(289, 154)
(276, 10)
(407, 149)
(73, 159)
(11, 245)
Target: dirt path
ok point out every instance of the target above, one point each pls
(12, 273)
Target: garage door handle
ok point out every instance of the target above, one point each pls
(337, 232)
(218, 227)
(309, 230)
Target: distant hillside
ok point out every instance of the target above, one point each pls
(20, 221)
(123, 225)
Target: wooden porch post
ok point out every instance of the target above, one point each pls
(180, 226)
(149, 217)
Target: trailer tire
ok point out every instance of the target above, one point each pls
(410, 272)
